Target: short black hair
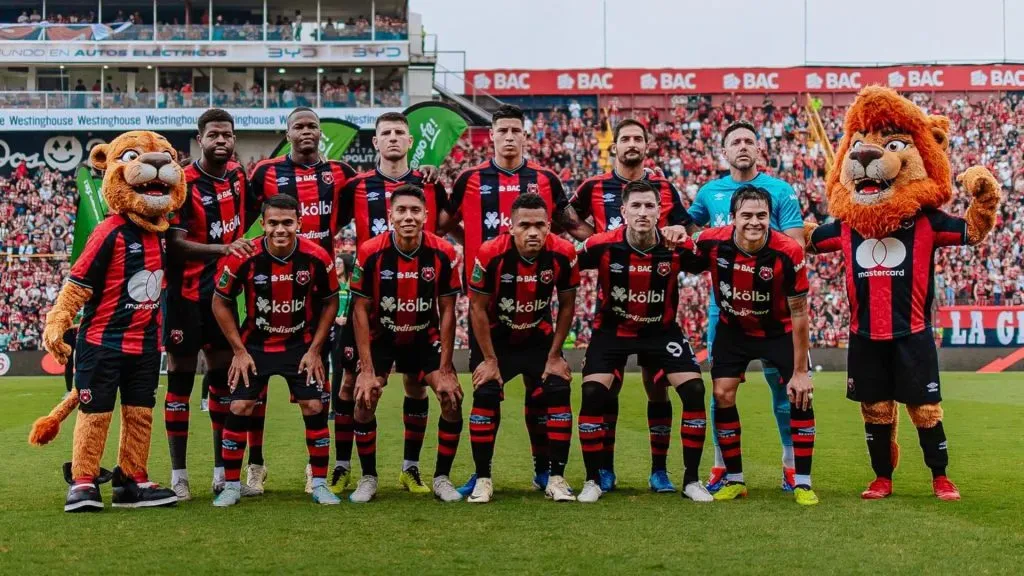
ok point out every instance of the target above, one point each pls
(281, 202)
(508, 111)
(391, 117)
(738, 125)
(409, 190)
(302, 109)
(749, 192)
(529, 201)
(624, 124)
(638, 187)
(215, 115)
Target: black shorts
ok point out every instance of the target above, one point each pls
(190, 326)
(101, 372)
(666, 353)
(345, 343)
(905, 369)
(286, 365)
(734, 350)
(419, 358)
(526, 358)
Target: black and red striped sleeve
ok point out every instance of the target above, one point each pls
(794, 272)
(827, 237)
(581, 200)
(558, 196)
(569, 270)
(437, 192)
(364, 270)
(483, 278)
(949, 230)
(90, 270)
(454, 205)
(326, 284)
(590, 253)
(449, 279)
(228, 284)
(692, 258)
(677, 214)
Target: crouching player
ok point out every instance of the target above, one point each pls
(761, 288)
(282, 280)
(513, 279)
(400, 282)
(638, 276)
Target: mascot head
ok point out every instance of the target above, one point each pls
(142, 179)
(890, 164)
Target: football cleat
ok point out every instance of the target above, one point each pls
(309, 479)
(483, 491)
(341, 479)
(411, 481)
(445, 491)
(591, 492)
(255, 476)
(129, 493)
(83, 498)
(607, 480)
(217, 485)
(804, 495)
(323, 495)
(558, 490)
(659, 482)
(878, 489)
(181, 489)
(697, 492)
(365, 490)
(540, 481)
(945, 489)
(467, 488)
(788, 479)
(229, 496)
(731, 491)
(717, 479)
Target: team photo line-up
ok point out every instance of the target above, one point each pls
(283, 304)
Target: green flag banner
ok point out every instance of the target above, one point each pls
(435, 127)
(335, 137)
(92, 209)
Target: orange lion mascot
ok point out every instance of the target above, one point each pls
(119, 279)
(891, 177)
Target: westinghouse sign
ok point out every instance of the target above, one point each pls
(167, 119)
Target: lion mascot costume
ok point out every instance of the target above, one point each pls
(119, 280)
(891, 177)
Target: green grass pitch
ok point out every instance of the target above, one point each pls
(629, 531)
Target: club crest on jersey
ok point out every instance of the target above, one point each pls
(664, 268)
(85, 395)
(327, 177)
(765, 273)
(427, 273)
(546, 276)
(177, 336)
(533, 188)
(302, 277)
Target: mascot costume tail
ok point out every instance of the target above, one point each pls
(892, 176)
(119, 280)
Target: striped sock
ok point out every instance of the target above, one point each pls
(448, 434)
(176, 415)
(727, 422)
(414, 416)
(318, 444)
(659, 425)
(233, 446)
(366, 446)
(801, 425)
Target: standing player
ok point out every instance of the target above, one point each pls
(513, 280)
(206, 228)
(316, 184)
(639, 277)
(482, 200)
(365, 201)
(600, 198)
(401, 283)
(760, 283)
(711, 207)
(284, 334)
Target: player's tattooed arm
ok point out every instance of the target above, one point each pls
(571, 223)
(800, 388)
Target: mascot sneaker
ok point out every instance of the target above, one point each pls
(878, 489)
(411, 481)
(83, 498)
(945, 489)
(128, 493)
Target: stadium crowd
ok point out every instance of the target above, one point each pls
(36, 210)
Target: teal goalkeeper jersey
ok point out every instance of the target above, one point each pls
(711, 206)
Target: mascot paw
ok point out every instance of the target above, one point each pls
(809, 228)
(978, 182)
(55, 345)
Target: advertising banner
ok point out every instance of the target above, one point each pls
(989, 326)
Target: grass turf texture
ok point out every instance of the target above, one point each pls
(628, 531)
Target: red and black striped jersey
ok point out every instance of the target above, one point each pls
(367, 197)
(521, 289)
(890, 281)
(482, 196)
(601, 198)
(212, 214)
(640, 288)
(283, 296)
(123, 266)
(403, 288)
(317, 188)
(752, 290)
